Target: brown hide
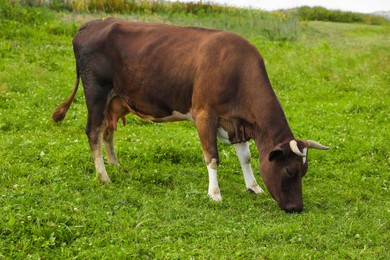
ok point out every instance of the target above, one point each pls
(117, 108)
(216, 78)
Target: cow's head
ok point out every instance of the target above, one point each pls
(282, 171)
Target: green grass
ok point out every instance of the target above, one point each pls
(333, 82)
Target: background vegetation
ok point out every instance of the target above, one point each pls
(163, 8)
(322, 14)
(333, 81)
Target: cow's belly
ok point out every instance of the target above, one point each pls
(176, 116)
(118, 108)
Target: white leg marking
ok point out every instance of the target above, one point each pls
(214, 191)
(244, 156)
(110, 149)
(111, 155)
(101, 172)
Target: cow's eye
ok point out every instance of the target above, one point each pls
(290, 172)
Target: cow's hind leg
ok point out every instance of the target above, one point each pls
(96, 98)
(95, 136)
(207, 128)
(108, 138)
(244, 156)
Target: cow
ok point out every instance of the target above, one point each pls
(167, 73)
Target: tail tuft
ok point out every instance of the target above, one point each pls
(60, 112)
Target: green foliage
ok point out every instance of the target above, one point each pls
(276, 26)
(41, 20)
(130, 6)
(333, 82)
(21, 14)
(322, 14)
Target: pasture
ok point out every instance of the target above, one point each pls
(333, 81)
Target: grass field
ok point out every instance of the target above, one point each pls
(333, 81)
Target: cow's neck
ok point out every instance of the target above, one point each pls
(271, 124)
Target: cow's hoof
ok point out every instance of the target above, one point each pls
(215, 197)
(104, 179)
(113, 162)
(105, 182)
(255, 189)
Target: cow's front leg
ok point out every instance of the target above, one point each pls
(207, 128)
(213, 191)
(108, 138)
(244, 156)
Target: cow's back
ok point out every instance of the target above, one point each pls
(158, 68)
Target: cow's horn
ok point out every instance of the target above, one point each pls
(316, 145)
(295, 149)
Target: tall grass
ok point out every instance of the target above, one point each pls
(201, 9)
(322, 14)
(137, 6)
(276, 26)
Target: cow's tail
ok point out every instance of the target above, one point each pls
(60, 112)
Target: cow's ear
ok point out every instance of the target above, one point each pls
(277, 152)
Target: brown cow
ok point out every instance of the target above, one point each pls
(215, 79)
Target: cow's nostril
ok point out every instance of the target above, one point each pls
(294, 210)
